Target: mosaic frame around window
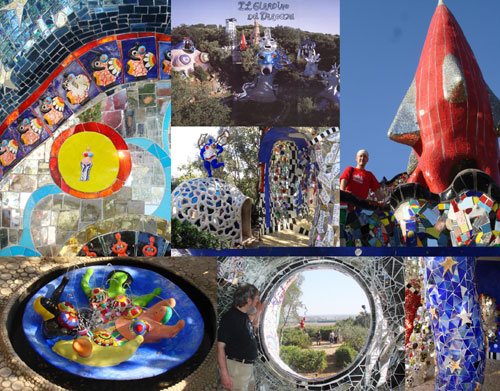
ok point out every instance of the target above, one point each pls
(384, 277)
(129, 106)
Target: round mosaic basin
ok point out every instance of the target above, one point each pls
(151, 359)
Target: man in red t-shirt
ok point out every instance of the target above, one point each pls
(358, 181)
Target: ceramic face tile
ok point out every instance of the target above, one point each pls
(104, 64)
(52, 109)
(75, 86)
(140, 59)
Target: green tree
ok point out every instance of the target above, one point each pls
(187, 235)
(291, 305)
(194, 105)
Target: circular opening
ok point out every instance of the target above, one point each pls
(323, 296)
(74, 382)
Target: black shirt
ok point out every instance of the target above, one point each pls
(236, 331)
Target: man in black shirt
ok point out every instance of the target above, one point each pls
(237, 346)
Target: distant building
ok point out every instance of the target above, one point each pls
(231, 30)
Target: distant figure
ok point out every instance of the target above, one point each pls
(318, 337)
(303, 324)
(359, 181)
(331, 337)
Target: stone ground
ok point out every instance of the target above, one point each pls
(491, 379)
(17, 273)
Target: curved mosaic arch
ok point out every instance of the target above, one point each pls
(382, 365)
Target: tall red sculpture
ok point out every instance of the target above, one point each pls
(449, 116)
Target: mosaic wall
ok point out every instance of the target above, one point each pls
(299, 181)
(384, 280)
(84, 144)
(214, 205)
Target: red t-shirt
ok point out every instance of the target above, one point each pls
(360, 183)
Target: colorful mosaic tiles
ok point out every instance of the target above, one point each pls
(103, 152)
(299, 171)
(88, 135)
(383, 282)
(38, 36)
(471, 219)
(454, 309)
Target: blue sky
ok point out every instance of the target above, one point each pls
(381, 42)
(314, 15)
(329, 292)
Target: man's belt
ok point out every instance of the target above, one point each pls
(242, 360)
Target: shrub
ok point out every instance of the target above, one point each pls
(186, 235)
(297, 337)
(344, 355)
(356, 336)
(303, 360)
(200, 74)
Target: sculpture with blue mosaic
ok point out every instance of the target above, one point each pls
(210, 150)
(454, 309)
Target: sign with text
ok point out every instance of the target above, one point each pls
(270, 11)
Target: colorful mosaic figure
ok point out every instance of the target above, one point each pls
(185, 57)
(141, 61)
(86, 165)
(448, 100)
(53, 109)
(8, 151)
(78, 88)
(106, 70)
(150, 249)
(210, 150)
(120, 247)
(455, 313)
(30, 130)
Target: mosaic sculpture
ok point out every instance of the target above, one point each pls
(453, 306)
(324, 231)
(270, 59)
(306, 48)
(185, 57)
(461, 106)
(419, 343)
(213, 205)
(331, 93)
(299, 174)
(113, 328)
(490, 316)
(210, 150)
(379, 365)
(283, 158)
(308, 53)
(463, 215)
